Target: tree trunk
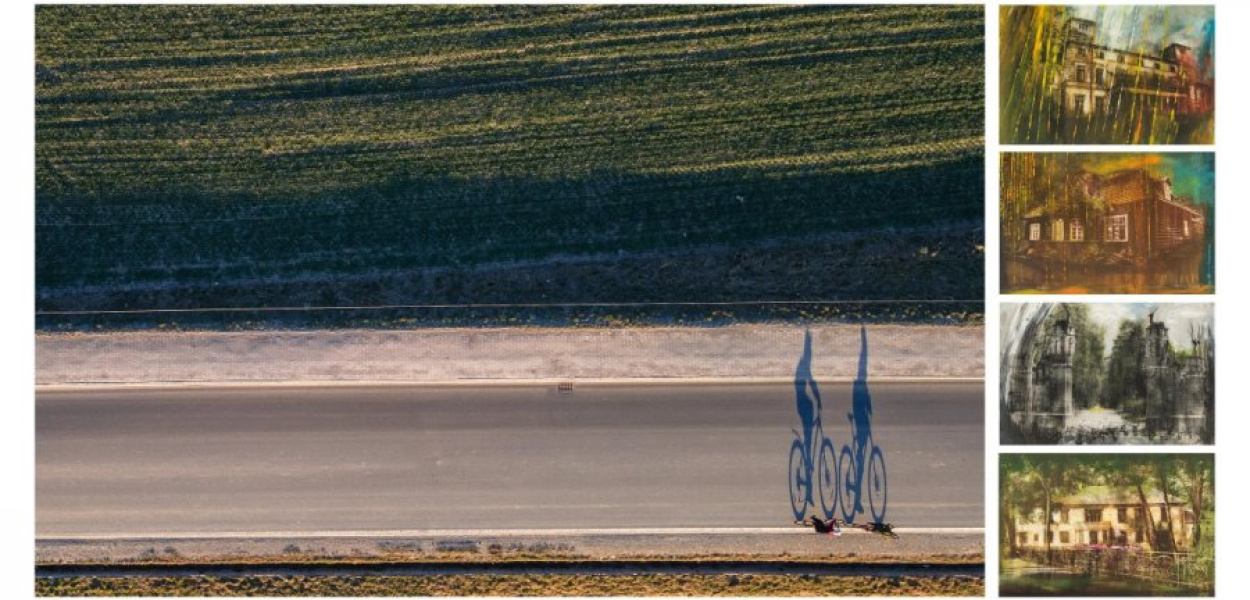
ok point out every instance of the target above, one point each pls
(1147, 519)
(1167, 510)
(1161, 472)
(1197, 479)
(1009, 525)
(1047, 517)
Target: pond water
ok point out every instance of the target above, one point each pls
(1185, 275)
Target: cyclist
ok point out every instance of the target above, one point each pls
(831, 527)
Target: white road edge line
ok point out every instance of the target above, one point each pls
(491, 533)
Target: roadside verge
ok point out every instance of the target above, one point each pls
(732, 354)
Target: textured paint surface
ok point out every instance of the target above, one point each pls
(1041, 183)
(1030, 53)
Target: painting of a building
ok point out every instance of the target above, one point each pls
(1135, 217)
(1108, 374)
(1091, 74)
(1107, 516)
(1097, 79)
(1081, 525)
(1107, 223)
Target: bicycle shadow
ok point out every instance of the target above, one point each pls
(855, 480)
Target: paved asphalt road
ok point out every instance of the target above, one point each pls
(134, 463)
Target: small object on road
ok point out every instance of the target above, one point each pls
(885, 529)
(831, 527)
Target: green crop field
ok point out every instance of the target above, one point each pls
(252, 156)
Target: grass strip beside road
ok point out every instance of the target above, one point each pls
(517, 585)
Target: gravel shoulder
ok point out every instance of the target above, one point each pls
(768, 351)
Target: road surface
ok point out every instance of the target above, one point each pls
(131, 463)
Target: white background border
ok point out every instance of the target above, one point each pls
(1231, 298)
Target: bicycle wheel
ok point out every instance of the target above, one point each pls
(827, 477)
(846, 484)
(877, 484)
(798, 485)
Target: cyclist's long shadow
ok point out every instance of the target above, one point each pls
(860, 468)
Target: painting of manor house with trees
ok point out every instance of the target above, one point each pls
(1107, 525)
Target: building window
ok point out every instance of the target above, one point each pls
(1098, 104)
(1022, 539)
(1137, 536)
(1117, 228)
(1098, 75)
(1077, 233)
(1057, 233)
(1065, 537)
(1121, 515)
(1093, 515)
(1185, 228)
(1063, 515)
(1102, 54)
(1080, 73)
(1035, 232)
(1078, 103)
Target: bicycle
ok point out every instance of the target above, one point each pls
(851, 475)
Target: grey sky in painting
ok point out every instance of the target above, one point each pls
(1130, 27)
(1178, 318)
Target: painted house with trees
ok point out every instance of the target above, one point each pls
(1102, 515)
(1128, 217)
(1107, 518)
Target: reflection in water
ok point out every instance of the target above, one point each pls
(1181, 275)
(847, 478)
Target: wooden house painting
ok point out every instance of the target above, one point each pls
(1130, 214)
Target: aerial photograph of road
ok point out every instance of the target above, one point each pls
(581, 300)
